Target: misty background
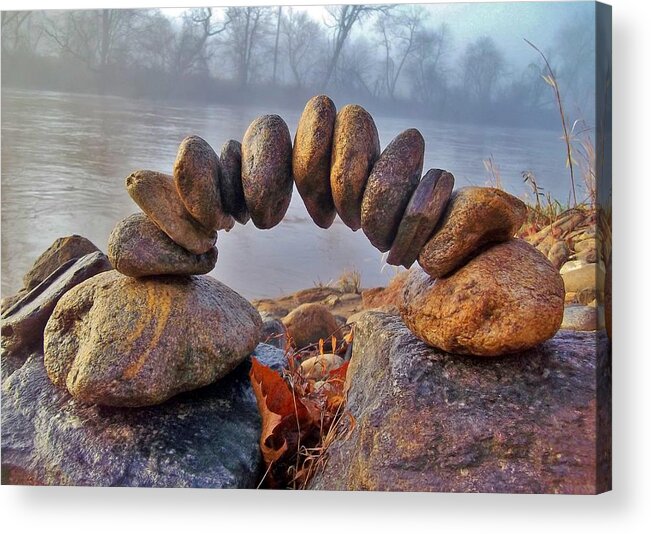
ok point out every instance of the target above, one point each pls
(90, 96)
(465, 62)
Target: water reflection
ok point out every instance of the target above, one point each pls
(65, 157)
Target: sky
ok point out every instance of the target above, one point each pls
(507, 22)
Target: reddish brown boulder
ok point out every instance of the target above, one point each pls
(387, 299)
(426, 420)
(311, 159)
(506, 299)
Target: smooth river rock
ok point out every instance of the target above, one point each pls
(121, 341)
(308, 323)
(426, 420)
(267, 170)
(355, 148)
(61, 251)
(474, 216)
(392, 181)
(197, 176)
(157, 196)
(24, 322)
(311, 159)
(421, 216)
(233, 200)
(207, 438)
(506, 299)
(137, 247)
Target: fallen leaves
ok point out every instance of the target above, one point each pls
(302, 413)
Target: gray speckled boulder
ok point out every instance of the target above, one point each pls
(137, 247)
(426, 420)
(267, 170)
(207, 438)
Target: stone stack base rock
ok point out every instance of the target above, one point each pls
(156, 326)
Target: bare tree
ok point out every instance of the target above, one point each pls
(98, 38)
(427, 66)
(343, 20)
(357, 72)
(303, 37)
(280, 15)
(246, 30)
(398, 30)
(191, 50)
(12, 35)
(482, 65)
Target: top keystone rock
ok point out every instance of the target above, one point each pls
(355, 148)
(267, 170)
(390, 185)
(197, 177)
(311, 159)
(474, 217)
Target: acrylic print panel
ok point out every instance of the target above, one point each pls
(352, 247)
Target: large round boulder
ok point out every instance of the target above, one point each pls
(120, 341)
(507, 299)
(474, 217)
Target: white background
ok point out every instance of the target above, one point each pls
(626, 509)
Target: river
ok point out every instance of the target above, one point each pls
(65, 158)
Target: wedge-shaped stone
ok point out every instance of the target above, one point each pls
(157, 196)
(233, 200)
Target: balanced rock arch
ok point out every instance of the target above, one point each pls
(478, 290)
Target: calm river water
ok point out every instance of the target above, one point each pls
(65, 158)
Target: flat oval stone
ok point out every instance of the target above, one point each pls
(267, 170)
(157, 196)
(137, 247)
(421, 216)
(121, 341)
(233, 200)
(311, 159)
(197, 178)
(392, 181)
(355, 148)
(474, 216)
(507, 299)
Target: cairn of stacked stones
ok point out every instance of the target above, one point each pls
(159, 327)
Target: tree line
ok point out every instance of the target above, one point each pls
(394, 58)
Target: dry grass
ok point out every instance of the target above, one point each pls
(350, 281)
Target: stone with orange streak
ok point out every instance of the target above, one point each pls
(118, 341)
